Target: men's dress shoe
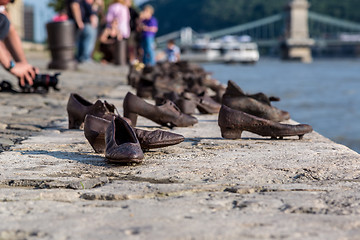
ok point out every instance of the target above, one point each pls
(204, 103)
(233, 122)
(234, 90)
(256, 104)
(145, 88)
(78, 107)
(168, 114)
(186, 105)
(187, 102)
(122, 145)
(157, 138)
(169, 83)
(95, 128)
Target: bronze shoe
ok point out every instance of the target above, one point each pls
(204, 103)
(167, 114)
(78, 107)
(256, 104)
(186, 105)
(122, 145)
(95, 128)
(233, 122)
(187, 102)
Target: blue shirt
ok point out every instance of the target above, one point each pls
(152, 22)
(171, 53)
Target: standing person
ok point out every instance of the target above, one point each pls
(12, 56)
(99, 9)
(81, 12)
(172, 52)
(119, 11)
(149, 29)
(135, 31)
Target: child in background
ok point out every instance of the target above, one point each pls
(172, 51)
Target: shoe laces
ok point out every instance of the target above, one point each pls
(172, 104)
(111, 108)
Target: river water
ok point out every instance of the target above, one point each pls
(324, 94)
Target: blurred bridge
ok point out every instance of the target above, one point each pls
(269, 32)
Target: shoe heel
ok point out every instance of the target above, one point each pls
(230, 133)
(99, 144)
(74, 123)
(132, 117)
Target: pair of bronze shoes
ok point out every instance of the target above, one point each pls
(108, 132)
(233, 122)
(167, 114)
(254, 113)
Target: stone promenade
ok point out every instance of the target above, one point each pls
(53, 186)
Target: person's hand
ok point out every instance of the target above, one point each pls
(80, 25)
(94, 21)
(25, 72)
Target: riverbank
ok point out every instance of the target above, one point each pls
(53, 186)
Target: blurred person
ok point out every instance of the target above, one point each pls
(172, 52)
(149, 30)
(86, 21)
(12, 56)
(134, 40)
(99, 8)
(108, 40)
(118, 10)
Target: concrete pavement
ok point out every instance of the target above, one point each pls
(53, 186)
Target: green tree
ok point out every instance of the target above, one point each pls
(57, 5)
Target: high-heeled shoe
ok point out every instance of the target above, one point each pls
(95, 128)
(232, 123)
(256, 104)
(167, 114)
(122, 145)
(78, 107)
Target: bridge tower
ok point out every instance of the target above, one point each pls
(297, 44)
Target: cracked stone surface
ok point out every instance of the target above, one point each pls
(53, 186)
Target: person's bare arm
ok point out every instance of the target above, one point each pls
(11, 49)
(14, 45)
(75, 8)
(94, 20)
(24, 71)
(104, 36)
(4, 57)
